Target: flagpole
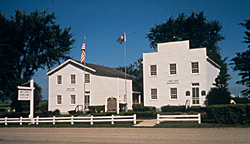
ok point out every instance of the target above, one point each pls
(126, 104)
(84, 111)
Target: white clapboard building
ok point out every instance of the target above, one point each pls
(103, 86)
(177, 75)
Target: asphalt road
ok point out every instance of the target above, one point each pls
(125, 135)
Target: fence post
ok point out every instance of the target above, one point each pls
(158, 118)
(91, 120)
(199, 118)
(37, 120)
(21, 118)
(5, 120)
(134, 119)
(54, 121)
(112, 119)
(72, 120)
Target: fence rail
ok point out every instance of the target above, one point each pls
(161, 118)
(71, 120)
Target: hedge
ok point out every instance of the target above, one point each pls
(141, 107)
(230, 114)
(169, 108)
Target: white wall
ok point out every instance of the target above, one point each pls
(100, 87)
(182, 55)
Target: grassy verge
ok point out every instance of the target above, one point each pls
(196, 125)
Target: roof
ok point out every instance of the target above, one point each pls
(93, 69)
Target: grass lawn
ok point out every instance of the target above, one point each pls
(196, 125)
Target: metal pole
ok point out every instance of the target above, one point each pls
(126, 107)
(84, 111)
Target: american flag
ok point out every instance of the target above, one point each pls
(83, 53)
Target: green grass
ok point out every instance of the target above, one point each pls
(97, 124)
(196, 125)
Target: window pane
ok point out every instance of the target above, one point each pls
(173, 93)
(153, 93)
(59, 99)
(195, 67)
(73, 99)
(87, 78)
(59, 79)
(172, 68)
(153, 70)
(73, 79)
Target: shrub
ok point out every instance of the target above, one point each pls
(241, 100)
(97, 109)
(218, 96)
(56, 112)
(230, 114)
(122, 106)
(169, 108)
(141, 107)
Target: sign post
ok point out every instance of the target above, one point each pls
(25, 94)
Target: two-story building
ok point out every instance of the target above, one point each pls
(74, 85)
(177, 75)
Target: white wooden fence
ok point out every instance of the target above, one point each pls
(161, 118)
(70, 120)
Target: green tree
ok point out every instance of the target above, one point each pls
(218, 96)
(29, 42)
(136, 70)
(241, 62)
(199, 31)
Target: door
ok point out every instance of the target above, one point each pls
(86, 101)
(195, 95)
(111, 104)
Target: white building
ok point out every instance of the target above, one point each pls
(103, 86)
(177, 75)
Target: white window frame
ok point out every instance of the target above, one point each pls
(194, 68)
(57, 99)
(71, 79)
(152, 95)
(170, 91)
(57, 80)
(85, 80)
(154, 72)
(73, 100)
(172, 70)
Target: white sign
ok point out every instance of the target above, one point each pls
(24, 95)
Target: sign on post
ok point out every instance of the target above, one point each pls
(24, 95)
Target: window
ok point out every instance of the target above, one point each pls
(73, 99)
(195, 67)
(87, 78)
(153, 94)
(172, 68)
(153, 70)
(203, 93)
(173, 93)
(195, 84)
(59, 79)
(73, 79)
(187, 93)
(59, 99)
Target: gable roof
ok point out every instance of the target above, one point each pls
(93, 69)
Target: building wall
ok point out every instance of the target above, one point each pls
(180, 54)
(100, 88)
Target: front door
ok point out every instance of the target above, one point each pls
(195, 95)
(111, 104)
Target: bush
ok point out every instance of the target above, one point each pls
(96, 109)
(241, 100)
(141, 107)
(122, 106)
(230, 114)
(218, 96)
(169, 108)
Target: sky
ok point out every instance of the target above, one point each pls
(104, 21)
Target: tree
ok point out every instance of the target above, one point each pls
(218, 96)
(29, 42)
(135, 70)
(199, 31)
(241, 62)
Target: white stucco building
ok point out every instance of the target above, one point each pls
(177, 75)
(103, 86)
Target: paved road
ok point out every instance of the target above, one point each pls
(125, 135)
